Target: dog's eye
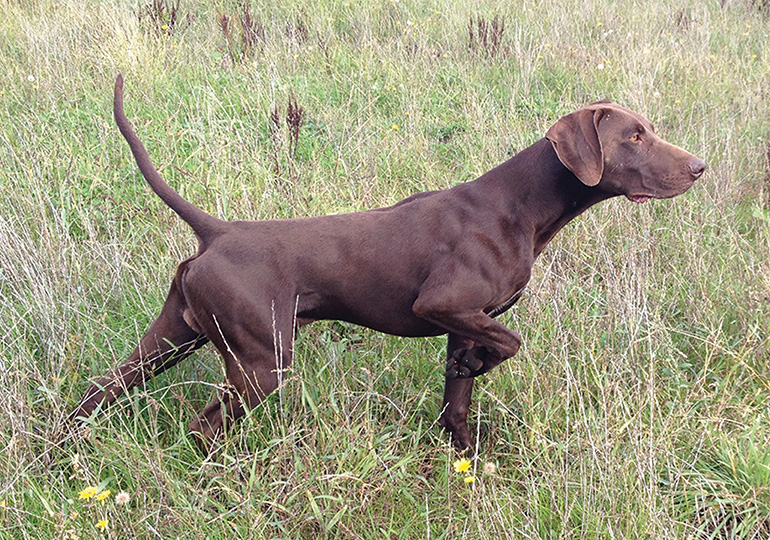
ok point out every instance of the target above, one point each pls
(634, 137)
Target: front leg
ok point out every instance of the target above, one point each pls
(492, 341)
(476, 344)
(457, 398)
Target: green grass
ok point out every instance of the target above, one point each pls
(638, 405)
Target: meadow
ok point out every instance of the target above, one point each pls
(638, 406)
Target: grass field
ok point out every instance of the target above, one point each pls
(638, 406)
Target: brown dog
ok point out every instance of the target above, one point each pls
(441, 262)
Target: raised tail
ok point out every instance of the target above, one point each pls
(204, 225)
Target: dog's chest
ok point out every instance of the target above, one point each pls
(505, 306)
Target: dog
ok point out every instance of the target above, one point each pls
(439, 262)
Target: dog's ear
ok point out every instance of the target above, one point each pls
(575, 138)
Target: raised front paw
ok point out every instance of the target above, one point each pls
(466, 363)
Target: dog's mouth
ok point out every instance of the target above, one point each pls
(639, 198)
(644, 196)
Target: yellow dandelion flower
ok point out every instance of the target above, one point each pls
(102, 524)
(395, 127)
(103, 495)
(462, 465)
(164, 27)
(87, 493)
(469, 479)
(3, 503)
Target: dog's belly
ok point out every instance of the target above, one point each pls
(416, 328)
(390, 317)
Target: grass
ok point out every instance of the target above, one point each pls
(638, 405)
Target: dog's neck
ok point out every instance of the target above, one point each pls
(542, 194)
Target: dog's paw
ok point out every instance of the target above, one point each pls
(475, 360)
(456, 371)
(466, 363)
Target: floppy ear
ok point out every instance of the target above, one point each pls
(575, 138)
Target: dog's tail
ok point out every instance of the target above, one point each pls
(203, 224)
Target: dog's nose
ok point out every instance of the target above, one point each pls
(696, 167)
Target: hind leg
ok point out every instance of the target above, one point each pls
(168, 340)
(257, 352)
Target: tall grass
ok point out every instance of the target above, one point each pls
(638, 405)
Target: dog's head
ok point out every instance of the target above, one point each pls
(616, 149)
